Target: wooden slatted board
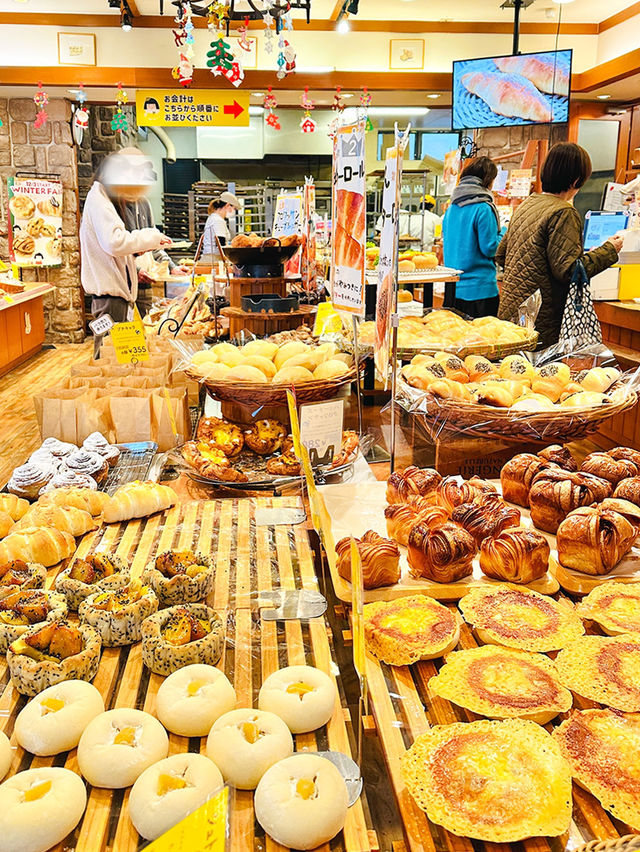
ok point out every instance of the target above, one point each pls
(248, 558)
(404, 708)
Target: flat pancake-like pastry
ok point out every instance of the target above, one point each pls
(496, 781)
(520, 618)
(602, 749)
(502, 683)
(605, 669)
(614, 606)
(405, 630)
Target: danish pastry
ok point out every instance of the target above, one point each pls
(24, 245)
(265, 436)
(489, 515)
(222, 435)
(613, 470)
(404, 486)
(443, 555)
(559, 455)
(556, 492)
(380, 560)
(593, 539)
(516, 555)
(451, 493)
(629, 489)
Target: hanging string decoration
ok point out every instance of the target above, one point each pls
(269, 21)
(221, 60)
(41, 99)
(307, 124)
(80, 115)
(184, 39)
(338, 104)
(365, 103)
(120, 122)
(243, 38)
(269, 104)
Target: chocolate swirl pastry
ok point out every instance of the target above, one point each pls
(379, 556)
(487, 516)
(516, 555)
(559, 455)
(400, 518)
(443, 555)
(517, 475)
(97, 443)
(66, 478)
(94, 465)
(555, 493)
(593, 539)
(451, 493)
(613, 470)
(629, 489)
(27, 480)
(404, 486)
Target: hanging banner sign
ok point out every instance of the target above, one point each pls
(191, 107)
(35, 221)
(349, 219)
(288, 218)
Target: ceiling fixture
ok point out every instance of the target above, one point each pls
(126, 18)
(433, 96)
(603, 97)
(343, 25)
(237, 10)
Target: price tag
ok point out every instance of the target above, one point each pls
(102, 325)
(129, 341)
(8, 299)
(205, 829)
(321, 429)
(327, 320)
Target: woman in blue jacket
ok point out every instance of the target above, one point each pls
(470, 237)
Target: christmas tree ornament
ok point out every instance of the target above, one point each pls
(119, 122)
(269, 104)
(338, 105)
(80, 121)
(220, 56)
(40, 99)
(368, 125)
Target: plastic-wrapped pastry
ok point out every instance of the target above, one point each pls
(597, 379)
(404, 486)
(585, 399)
(449, 389)
(97, 443)
(613, 470)
(479, 368)
(451, 493)
(379, 556)
(559, 455)
(27, 480)
(516, 555)
(517, 367)
(629, 489)
(551, 380)
(533, 402)
(443, 555)
(556, 492)
(593, 539)
(493, 393)
(517, 475)
(83, 461)
(453, 367)
(487, 516)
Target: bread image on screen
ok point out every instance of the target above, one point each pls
(509, 94)
(546, 74)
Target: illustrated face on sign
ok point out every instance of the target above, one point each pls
(151, 106)
(38, 258)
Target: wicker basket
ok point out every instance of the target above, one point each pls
(258, 395)
(492, 351)
(440, 416)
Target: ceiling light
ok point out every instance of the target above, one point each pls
(603, 97)
(256, 110)
(126, 18)
(257, 94)
(398, 110)
(433, 96)
(562, 2)
(346, 95)
(343, 26)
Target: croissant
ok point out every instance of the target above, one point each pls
(559, 455)
(403, 486)
(518, 474)
(15, 507)
(629, 489)
(74, 521)
(380, 560)
(516, 555)
(36, 544)
(138, 500)
(626, 453)
(613, 470)
(556, 492)
(80, 498)
(451, 493)
(593, 539)
(444, 554)
(6, 523)
(487, 516)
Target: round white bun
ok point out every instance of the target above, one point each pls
(155, 805)
(6, 754)
(105, 763)
(303, 697)
(243, 763)
(37, 825)
(44, 730)
(191, 699)
(292, 819)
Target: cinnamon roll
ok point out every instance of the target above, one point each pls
(59, 449)
(380, 560)
(27, 480)
(43, 458)
(613, 470)
(629, 489)
(404, 486)
(451, 493)
(443, 555)
(97, 443)
(487, 516)
(516, 555)
(517, 475)
(555, 492)
(83, 461)
(559, 455)
(65, 478)
(593, 539)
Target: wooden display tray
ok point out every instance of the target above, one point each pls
(248, 558)
(627, 571)
(403, 708)
(355, 508)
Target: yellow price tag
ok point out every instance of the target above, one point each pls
(327, 320)
(205, 830)
(129, 340)
(357, 610)
(3, 266)
(8, 299)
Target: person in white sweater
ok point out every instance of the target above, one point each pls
(109, 274)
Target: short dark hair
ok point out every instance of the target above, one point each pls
(480, 167)
(568, 166)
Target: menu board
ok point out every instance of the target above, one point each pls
(35, 221)
(288, 218)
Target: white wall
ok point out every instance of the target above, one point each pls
(619, 40)
(184, 138)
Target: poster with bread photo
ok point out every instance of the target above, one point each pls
(35, 221)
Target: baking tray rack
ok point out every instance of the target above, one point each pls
(134, 463)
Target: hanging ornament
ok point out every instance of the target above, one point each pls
(269, 104)
(287, 20)
(218, 15)
(119, 122)
(220, 57)
(184, 39)
(307, 124)
(290, 58)
(80, 121)
(243, 40)
(40, 99)
(338, 105)
(368, 125)
(305, 100)
(365, 103)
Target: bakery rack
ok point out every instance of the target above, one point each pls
(134, 463)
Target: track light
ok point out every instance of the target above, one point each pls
(343, 25)
(126, 18)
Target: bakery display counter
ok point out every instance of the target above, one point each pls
(21, 325)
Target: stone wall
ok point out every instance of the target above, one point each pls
(497, 141)
(100, 140)
(41, 151)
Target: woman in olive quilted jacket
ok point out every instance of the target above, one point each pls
(544, 241)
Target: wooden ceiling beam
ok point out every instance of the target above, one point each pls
(619, 18)
(336, 10)
(134, 8)
(616, 69)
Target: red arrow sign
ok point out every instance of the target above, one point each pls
(233, 109)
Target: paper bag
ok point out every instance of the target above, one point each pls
(130, 411)
(162, 424)
(56, 411)
(94, 415)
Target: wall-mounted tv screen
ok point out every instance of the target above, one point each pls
(530, 88)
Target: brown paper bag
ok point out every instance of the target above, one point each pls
(130, 411)
(56, 411)
(99, 382)
(94, 415)
(135, 382)
(85, 370)
(162, 427)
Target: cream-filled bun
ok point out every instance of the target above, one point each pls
(288, 350)
(54, 720)
(302, 801)
(191, 699)
(292, 375)
(243, 744)
(303, 697)
(263, 364)
(6, 754)
(117, 746)
(227, 354)
(332, 369)
(205, 356)
(263, 348)
(245, 373)
(39, 808)
(170, 790)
